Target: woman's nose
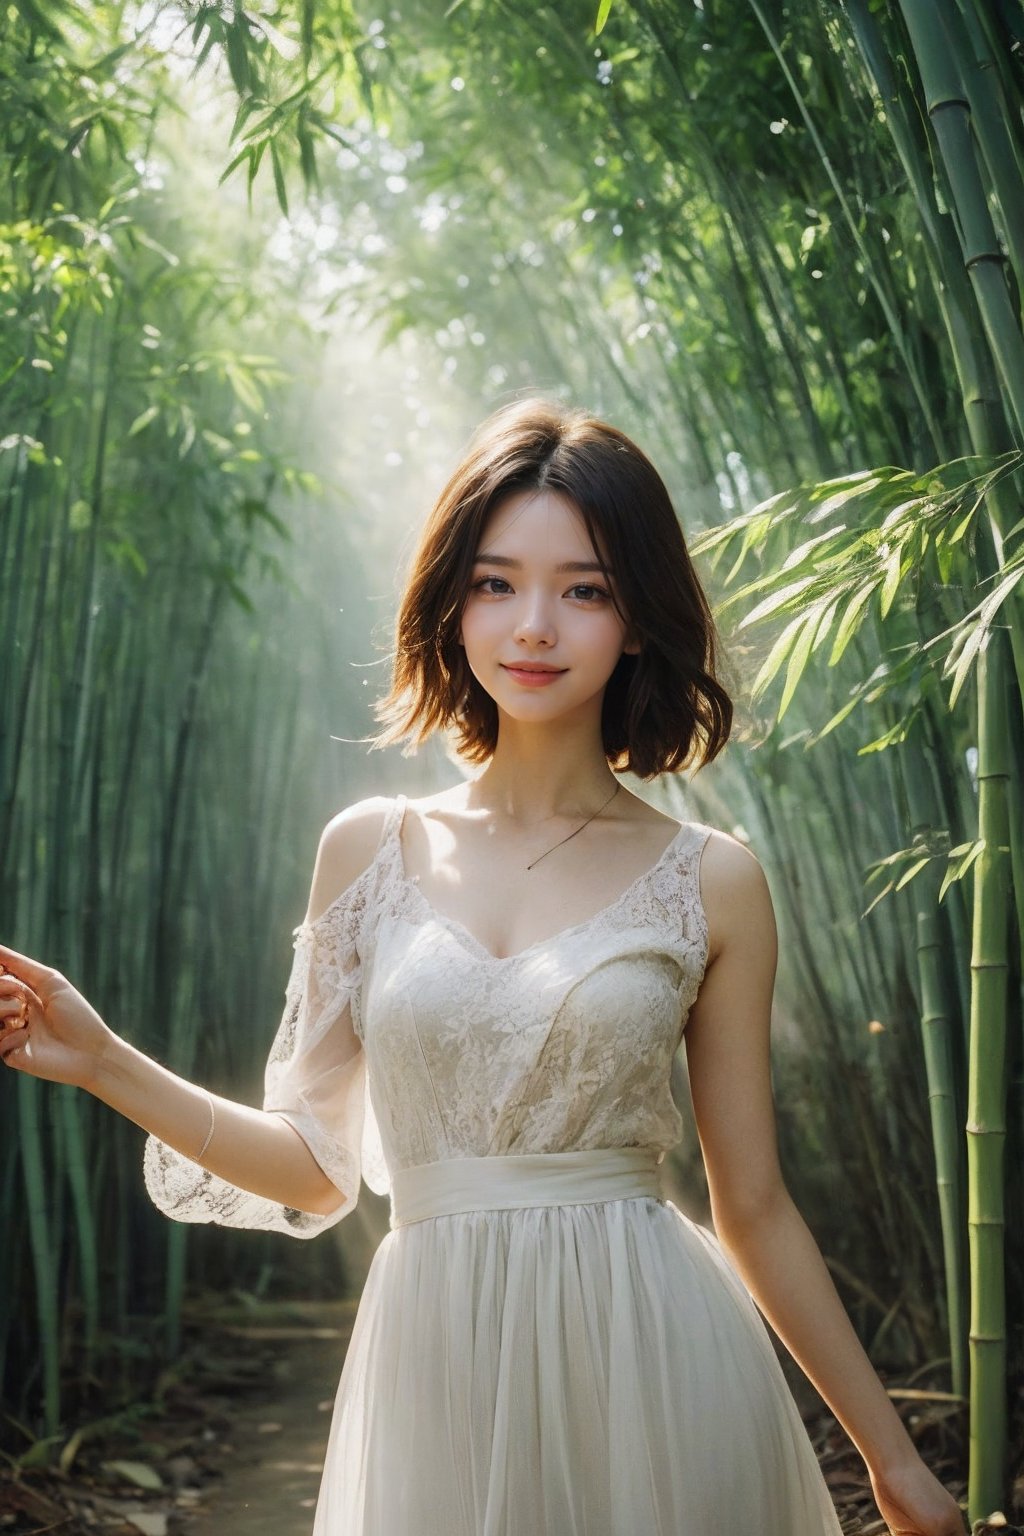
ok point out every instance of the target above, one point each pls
(534, 621)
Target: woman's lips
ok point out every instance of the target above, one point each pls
(530, 679)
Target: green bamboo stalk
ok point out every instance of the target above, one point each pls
(1015, 797)
(986, 1108)
(917, 383)
(948, 779)
(44, 1257)
(983, 405)
(775, 296)
(990, 47)
(32, 631)
(992, 131)
(77, 1167)
(10, 1322)
(949, 111)
(936, 1036)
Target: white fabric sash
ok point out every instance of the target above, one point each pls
(460, 1184)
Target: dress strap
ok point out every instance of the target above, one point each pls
(392, 821)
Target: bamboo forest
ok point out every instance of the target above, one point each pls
(263, 270)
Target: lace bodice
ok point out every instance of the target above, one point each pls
(405, 1041)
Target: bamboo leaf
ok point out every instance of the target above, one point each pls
(603, 12)
(278, 168)
(914, 869)
(777, 655)
(945, 559)
(958, 870)
(853, 486)
(778, 600)
(851, 621)
(798, 661)
(837, 719)
(237, 52)
(244, 386)
(826, 622)
(798, 555)
(753, 537)
(961, 527)
(143, 420)
(901, 512)
(243, 154)
(285, 46)
(880, 897)
(890, 738)
(140, 1473)
(894, 569)
(962, 657)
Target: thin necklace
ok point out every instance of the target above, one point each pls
(579, 829)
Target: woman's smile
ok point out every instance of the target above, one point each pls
(533, 674)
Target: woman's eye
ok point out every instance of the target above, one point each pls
(583, 591)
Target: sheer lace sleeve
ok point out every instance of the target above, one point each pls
(315, 1079)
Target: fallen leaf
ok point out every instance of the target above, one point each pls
(136, 1472)
(151, 1522)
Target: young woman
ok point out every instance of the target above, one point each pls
(488, 990)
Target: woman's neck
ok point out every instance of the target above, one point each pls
(536, 774)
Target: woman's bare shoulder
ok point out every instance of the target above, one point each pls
(348, 844)
(734, 892)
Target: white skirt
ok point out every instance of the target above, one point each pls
(544, 1347)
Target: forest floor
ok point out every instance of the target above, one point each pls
(235, 1444)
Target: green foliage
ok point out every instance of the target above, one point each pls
(148, 504)
(905, 539)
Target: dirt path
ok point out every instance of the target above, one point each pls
(275, 1453)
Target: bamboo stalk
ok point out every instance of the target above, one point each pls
(949, 111)
(44, 1253)
(986, 1110)
(991, 123)
(896, 329)
(76, 1159)
(936, 1036)
(979, 385)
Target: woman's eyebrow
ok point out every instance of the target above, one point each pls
(566, 565)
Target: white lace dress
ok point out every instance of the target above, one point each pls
(544, 1346)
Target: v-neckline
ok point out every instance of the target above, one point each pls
(460, 930)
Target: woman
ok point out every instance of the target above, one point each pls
(489, 987)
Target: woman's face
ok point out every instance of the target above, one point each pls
(541, 633)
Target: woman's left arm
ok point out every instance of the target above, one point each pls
(767, 1240)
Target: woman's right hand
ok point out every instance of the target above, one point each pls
(914, 1502)
(47, 1029)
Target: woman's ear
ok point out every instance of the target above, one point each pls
(632, 645)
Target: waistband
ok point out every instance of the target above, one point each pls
(459, 1184)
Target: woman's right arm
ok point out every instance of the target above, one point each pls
(50, 1031)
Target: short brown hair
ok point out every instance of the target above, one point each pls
(664, 707)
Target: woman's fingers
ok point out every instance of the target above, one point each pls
(14, 1047)
(24, 967)
(16, 998)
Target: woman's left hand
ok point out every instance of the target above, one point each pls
(914, 1503)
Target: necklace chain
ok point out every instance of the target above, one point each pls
(579, 829)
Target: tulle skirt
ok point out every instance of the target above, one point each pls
(593, 1368)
